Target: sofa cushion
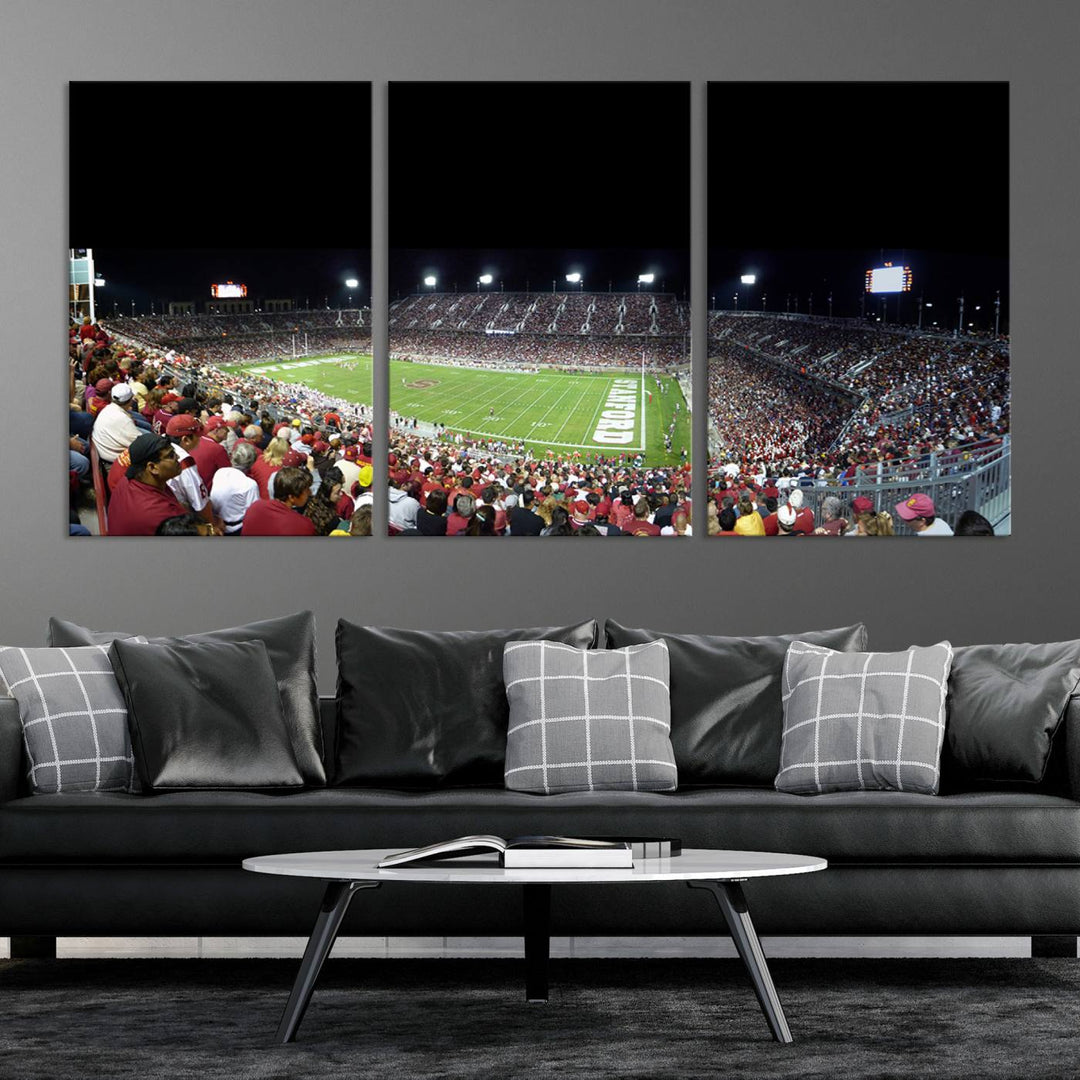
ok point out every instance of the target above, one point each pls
(74, 720)
(726, 713)
(205, 715)
(879, 827)
(290, 645)
(863, 721)
(425, 709)
(588, 719)
(1005, 705)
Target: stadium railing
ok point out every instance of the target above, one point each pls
(959, 480)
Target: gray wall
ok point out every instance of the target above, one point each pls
(1020, 588)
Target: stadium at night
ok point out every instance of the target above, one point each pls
(567, 373)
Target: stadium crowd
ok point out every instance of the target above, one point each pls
(184, 449)
(462, 487)
(784, 394)
(536, 350)
(779, 508)
(542, 313)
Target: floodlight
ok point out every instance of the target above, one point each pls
(748, 279)
(351, 283)
(573, 278)
(646, 279)
(486, 279)
(430, 279)
(99, 283)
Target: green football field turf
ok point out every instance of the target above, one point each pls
(546, 410)
(323, 373)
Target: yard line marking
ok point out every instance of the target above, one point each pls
(570, 412)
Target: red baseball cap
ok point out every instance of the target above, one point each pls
(918, 506)
(862, 505)
(215, 422)
(293, 459)
(182, 425)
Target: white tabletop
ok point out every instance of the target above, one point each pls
(694, 864)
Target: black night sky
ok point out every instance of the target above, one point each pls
(811, 184)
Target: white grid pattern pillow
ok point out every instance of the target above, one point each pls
(588, 719)
(863, 721)
(74, 719)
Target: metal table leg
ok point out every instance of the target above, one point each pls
(732, 903)
(537, 902)
(334, 905)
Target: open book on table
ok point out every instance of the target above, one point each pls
(521, 852)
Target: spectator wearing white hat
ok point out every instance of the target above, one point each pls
(114, 428)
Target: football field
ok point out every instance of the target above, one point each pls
(323, 373)
(610, 414)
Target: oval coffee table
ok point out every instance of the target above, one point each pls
(720, 872)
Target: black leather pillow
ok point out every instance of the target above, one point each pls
(205, 715)
(290, 645)
(726, 710)
(1005, 704)
(428, 709)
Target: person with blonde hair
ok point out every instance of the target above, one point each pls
(268, 463)
(871, 524)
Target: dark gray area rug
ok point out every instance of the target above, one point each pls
(207, 1019)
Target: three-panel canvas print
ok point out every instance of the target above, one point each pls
(854, 325)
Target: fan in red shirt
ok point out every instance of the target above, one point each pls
(278, 516)
(208, 453)
(641, 526)
(142, 500)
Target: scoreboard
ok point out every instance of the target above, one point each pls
(888, 279)
(228, 291)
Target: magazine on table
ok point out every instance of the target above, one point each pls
(522, 852)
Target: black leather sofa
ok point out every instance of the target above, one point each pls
(982, 863)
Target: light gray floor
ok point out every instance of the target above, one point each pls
(719, 946)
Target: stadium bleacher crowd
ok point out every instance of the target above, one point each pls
(816, 403)
(542, 313)
(461, 487)
(223, 340)
(165, 443)
(538, 350)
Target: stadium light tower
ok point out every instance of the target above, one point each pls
(431, 281)
(645, 279)
(576, 279)
(748, 279)
(351, 283)
(484, 279)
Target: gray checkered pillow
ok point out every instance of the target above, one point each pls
(587, 719)
(863, 721)
(74, 719)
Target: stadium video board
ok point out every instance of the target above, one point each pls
(888, 279)
(228, 291)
